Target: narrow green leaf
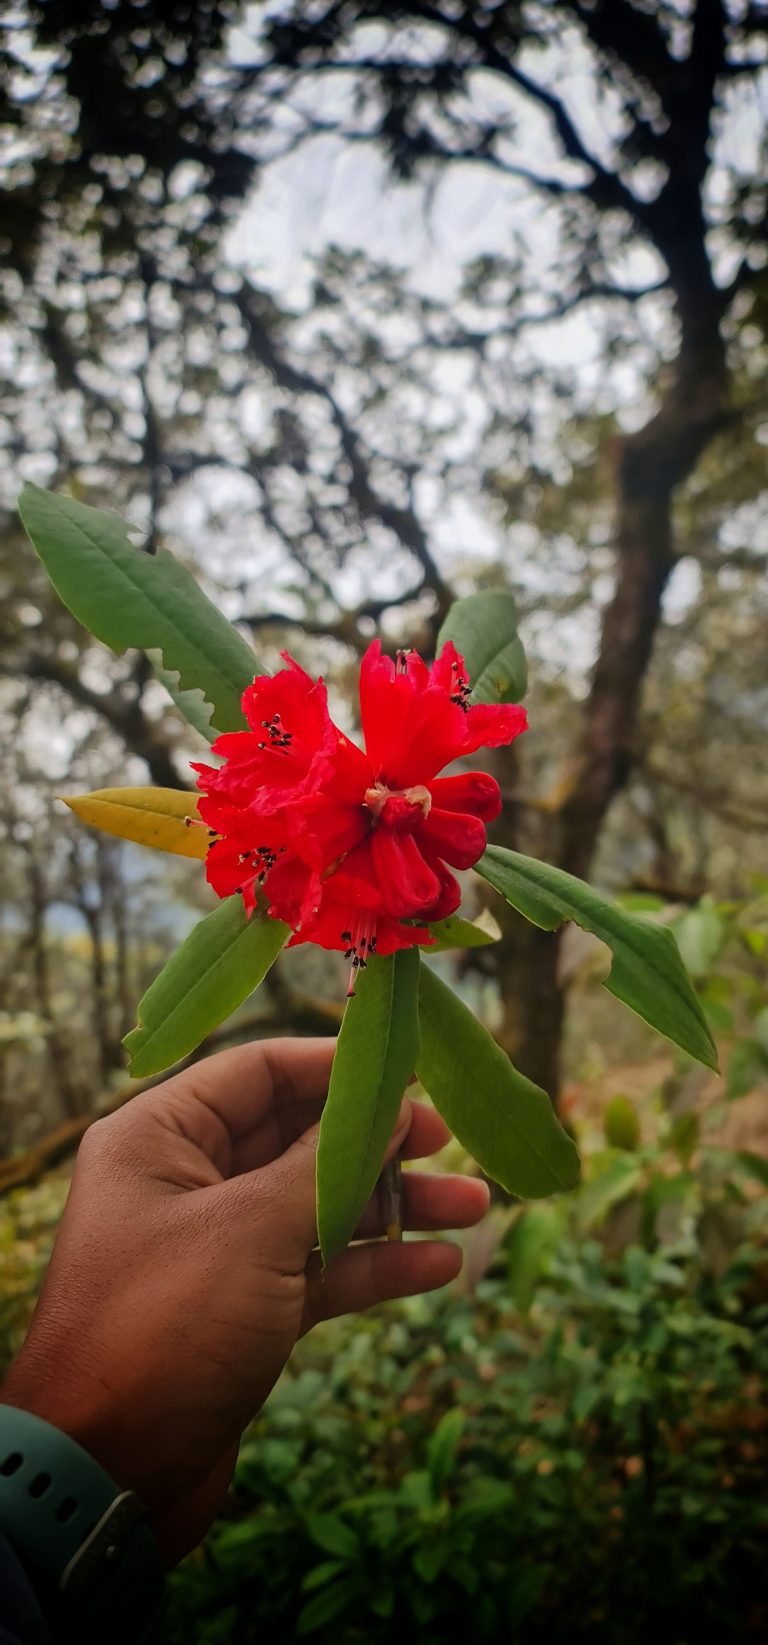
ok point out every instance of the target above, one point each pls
(375, 1057)
(321, 1575)
(530, 1245)
(483, 628)
(457, 933)
(191, 704)
(217, 966)
(504, 1121)
(443, 1447)
(620, 1178)
(333, 1535)
(647, 972)
(328, 1604)
(128, 598)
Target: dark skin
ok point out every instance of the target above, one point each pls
(185, 1270)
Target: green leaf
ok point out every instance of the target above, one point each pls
(621, 1124)
(483, 628)
(443, 1448)
(128, 598)
(699, 934)
(506, 1123)
(647, 972)
(457, 933)
(323, 1574)
(191, 704)
(530, 1246)
(217, 966)
(333, 1535)
(747, 1067)
(327, 1605)
(375, 1056)
(622, 1176)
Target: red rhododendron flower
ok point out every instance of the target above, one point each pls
(354, 850)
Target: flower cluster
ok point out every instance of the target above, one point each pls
(353, 849)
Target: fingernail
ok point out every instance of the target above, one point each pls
(403, 1122)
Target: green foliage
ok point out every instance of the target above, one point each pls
(192, 705)
(575, 1450)
(504, 1121)
(128, 598)
(647, 972)
(28, 1222)
(448, 1470)
(458, 933)
(483, 628)
(217, 966)
(621, 1123)
(375, 1057)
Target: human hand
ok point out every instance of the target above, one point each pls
(185, 1270)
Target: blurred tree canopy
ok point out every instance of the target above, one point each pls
(578, 413)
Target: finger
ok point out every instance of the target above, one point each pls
(431, 1202)
(281, 1126)
(428, 1132)
(366, 1274)
(242, 1088)
(283, 1194)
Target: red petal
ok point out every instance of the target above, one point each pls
(386, 702)
(330, 929)
(442, 671)
(474, 792)
(294, 890)
(450, 894)
(408, 884)
(300, 701)
(322, 831)
(493, 725)
(223, 868)
(452, 835)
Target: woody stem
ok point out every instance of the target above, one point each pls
(391, 1198)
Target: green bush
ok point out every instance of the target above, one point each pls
(576, 1451)
(450, 1469)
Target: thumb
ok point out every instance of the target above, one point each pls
(286, 1189)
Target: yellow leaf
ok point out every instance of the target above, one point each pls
(164, 818)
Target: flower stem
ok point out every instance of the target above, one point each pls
(391, 1192)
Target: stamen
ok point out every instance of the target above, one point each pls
(279, 739)
(461, 688)
(265, 857)
(360, 948)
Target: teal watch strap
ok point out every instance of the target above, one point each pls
(86, 1545)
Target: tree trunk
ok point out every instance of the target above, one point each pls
(57, 1049)
(652, 464)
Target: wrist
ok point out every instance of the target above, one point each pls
(114, 1427)
(89, 1413)
(86, 1545)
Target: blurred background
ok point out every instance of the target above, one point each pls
(358, 308)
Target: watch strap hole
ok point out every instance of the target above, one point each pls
(39, 1485)
(11, 1463)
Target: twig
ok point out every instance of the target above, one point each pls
(391, 1198)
